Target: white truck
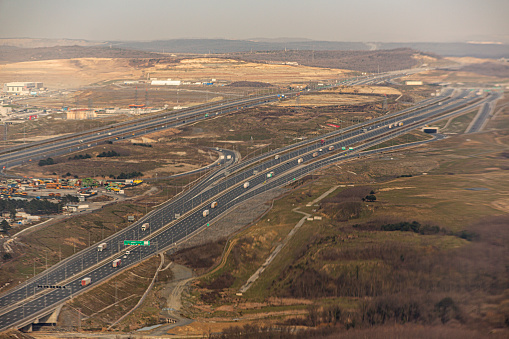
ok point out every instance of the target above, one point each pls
(331, 148)
(213, 205)
(145, 226)
(206, 212)
(300, 161)
(315, 154)
(276, 156)
(85, 281)
(116, 262)
(228, 157)
(102, 247)
(270, 175)
(246, 184)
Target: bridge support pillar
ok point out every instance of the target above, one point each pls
(53, 317)
(27, 329)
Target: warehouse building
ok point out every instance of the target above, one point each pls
(168, 82)
(21, 87)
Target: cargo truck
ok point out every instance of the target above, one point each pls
(145, 226)
(400, 124)
(276, 156)
(270, 175)
(206, 212)
(116, 262)
(300, 161)
(85, 281)
(246, 184)
(102, 247)
(331, 148)
(315, 154)
(213, 205)
(228, 157)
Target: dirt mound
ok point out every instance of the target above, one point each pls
(13, 334)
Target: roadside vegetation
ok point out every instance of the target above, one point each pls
(397, 259)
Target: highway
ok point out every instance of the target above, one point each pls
(166, 228)
(480, 119)
(21, 154)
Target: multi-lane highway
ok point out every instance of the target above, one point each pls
(66, 144)
(480, 119)
(181, 217)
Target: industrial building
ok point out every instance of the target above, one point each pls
(168, 82)
(81, 114)
(21, 87)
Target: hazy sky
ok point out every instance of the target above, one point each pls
(336, 20)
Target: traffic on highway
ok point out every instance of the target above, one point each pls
(211, 197)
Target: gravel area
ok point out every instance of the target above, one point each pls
(236, 219)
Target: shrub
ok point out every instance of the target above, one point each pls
(45, 162)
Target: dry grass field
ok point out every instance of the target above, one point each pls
(75, 73)
(347, 261)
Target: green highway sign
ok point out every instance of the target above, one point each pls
(136, 242)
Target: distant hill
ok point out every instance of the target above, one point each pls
(17, 54)
(204, 46)
(34, 43)
(221, 46)
(364, 61)
(460, 49)
(488, 69)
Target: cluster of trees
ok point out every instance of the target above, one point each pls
(108, 154)
(142, 144)
(36, 206)
(200, 257)
(416, 227)
(5, 227)
(404, 282)
(127, 175)
(370, 197)
(45, 162)
(347, 204)
(80, 157)
(413, 226)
